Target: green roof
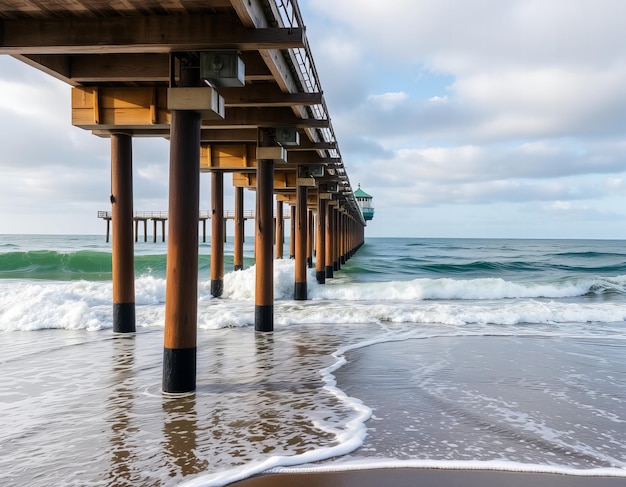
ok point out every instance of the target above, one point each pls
(359, 193)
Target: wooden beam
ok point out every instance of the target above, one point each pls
(266, 94)
(307, 145)
(208, 135)
(310, 158)
(262, 117)
(229, 135)
(252, 15)
(162, 33)
(147, 67)
(283, 180)
(135, 108)
(130, 67)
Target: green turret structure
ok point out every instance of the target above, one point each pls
(365, 203)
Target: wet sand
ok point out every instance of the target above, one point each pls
(85, 408)
(410, 477)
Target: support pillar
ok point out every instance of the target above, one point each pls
(300, 287)
(320, 244)
(310, 239)
(280, 229)
(264, 226)
(292, 232)
(330, 241)
(181, 294)
(337, 239)
(122, 247)
(239, 230)
(217, 233)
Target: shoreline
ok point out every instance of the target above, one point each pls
(411, 477)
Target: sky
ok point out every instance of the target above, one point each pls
(473, 118)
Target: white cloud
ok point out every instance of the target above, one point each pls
(388, 101)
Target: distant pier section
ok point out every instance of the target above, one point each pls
(162, 216)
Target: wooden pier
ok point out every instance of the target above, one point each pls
(232, 85)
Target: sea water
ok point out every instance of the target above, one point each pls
(452, 353)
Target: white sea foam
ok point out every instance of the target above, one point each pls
(488, 465)
(33, 305)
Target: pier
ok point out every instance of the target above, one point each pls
(232, 85)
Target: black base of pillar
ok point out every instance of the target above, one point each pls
(217, 288)
(123, 317)
(329, 271)
(342, 260)
(238, 267)
(264, 318)
(309, 262)
(320, 276)
(300, 291)
(179, 370)
(292, 256)
(336, 265)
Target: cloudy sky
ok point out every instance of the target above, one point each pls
(473, 118)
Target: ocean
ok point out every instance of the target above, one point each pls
(436, 353)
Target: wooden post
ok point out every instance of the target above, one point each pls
(239, 229)
(122, 247)
(217, 233)
(337, 239)
(163, 230)
(145, 230)
(154, 230)
(300, 287)
(280, 229)
(292, 233)
(181, 294)
(344, 239)
(108, 229)
(264, 295)
(310, 239)
(330, 241)
(320, 244)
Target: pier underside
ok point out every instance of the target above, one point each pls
(233, 86)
